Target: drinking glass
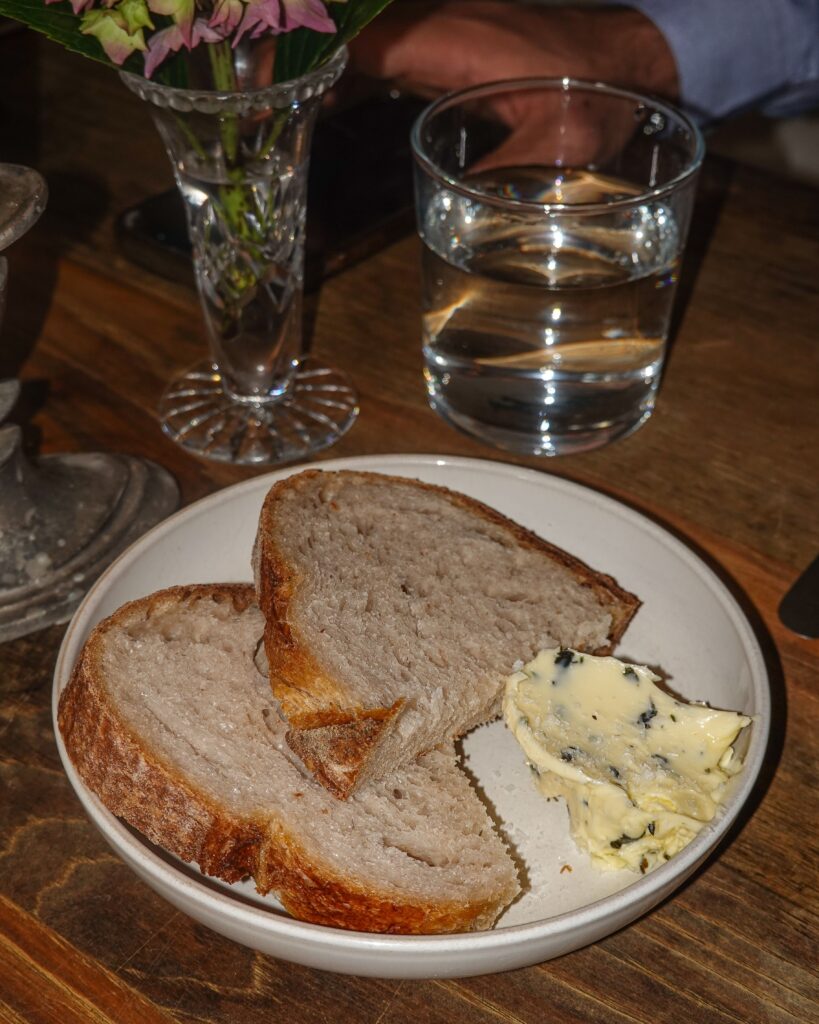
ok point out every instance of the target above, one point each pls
(553, 215)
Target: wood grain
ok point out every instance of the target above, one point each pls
(44, 978)
(728, 462)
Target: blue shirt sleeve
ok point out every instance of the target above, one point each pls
(737, 54)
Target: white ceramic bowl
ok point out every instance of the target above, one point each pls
(689, 625)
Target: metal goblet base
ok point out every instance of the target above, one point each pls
(317, 409)
(66, 518)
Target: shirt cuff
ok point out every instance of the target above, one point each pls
(732, 54)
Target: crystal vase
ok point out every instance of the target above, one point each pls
(240, 157)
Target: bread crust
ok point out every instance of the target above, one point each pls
(137, 784)
(335, 746)
(309, 696)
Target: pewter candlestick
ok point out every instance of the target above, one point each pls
(63, 518)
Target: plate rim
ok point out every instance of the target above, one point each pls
(645, 891)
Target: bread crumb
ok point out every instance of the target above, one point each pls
(566, 868)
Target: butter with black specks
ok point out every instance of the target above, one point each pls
(641, 771)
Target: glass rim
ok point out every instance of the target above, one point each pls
(275, 95)
(456, 97)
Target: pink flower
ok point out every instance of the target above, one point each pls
(172, 39)
(77, 6)
(307, 14)
(182, 12)
(227, 14)
(111, 29)
(135, 13)
(275, 16)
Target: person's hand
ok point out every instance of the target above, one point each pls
(430, 48)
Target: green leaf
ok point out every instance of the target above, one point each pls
(173, 71)
(297, 52)
(58, 22)
(303, 50)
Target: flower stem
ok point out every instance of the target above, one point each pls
(224, 78)
(233, 197)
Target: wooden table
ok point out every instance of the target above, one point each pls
(729, 461)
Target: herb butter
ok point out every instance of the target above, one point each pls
(641, 772)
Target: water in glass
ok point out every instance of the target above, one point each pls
(546, 333)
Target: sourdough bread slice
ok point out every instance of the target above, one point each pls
(396, 609)
(170, 723)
